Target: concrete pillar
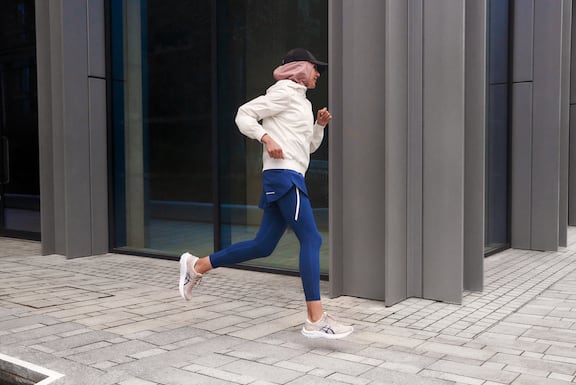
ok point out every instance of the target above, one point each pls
(572, 126)
(72, 116)
(134, 126)
(539, 160)
(397, 164)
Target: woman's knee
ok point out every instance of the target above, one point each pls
(312, 238)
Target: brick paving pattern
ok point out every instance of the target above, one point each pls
(118, 320)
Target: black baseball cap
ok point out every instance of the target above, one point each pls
(301, 54)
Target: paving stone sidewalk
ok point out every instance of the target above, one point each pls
(118, 320)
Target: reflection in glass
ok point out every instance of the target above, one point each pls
(497, 236)
(254, 37)
(162, 125)
(185, 178)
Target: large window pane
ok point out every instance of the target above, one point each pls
(162, 125)
(497, 235)
(252, 38)
(185, 178)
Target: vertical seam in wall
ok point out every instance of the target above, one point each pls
(510, 116)
(407, 146)
(422, 65)
(414, 200)
(384, 190)
(89, 127)
(532, 125)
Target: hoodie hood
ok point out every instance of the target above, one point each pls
(298, 71)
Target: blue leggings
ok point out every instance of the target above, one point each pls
(294, 210)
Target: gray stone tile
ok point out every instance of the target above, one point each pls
(390, 377)
(536, 364)
(262, 372)
(478, 372)
(240, 323)
(390, 355)
(525, 379)
(111, 352)
(331, 364)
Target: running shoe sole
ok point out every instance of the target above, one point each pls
(183, 272)
(319, 334)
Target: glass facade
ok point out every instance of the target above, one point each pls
(497, 234)
(19, 148)
(184, 177)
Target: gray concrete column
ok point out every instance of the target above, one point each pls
(414, 159)
(363, 156)
(397, 153)
(572, 128)
(72, 116)
(45, 129)
(395, 166)
(474, 164)
(443, 150)
(565, 123)
(134, 139)
(335, 187)
(539, 161)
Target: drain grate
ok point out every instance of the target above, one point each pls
(17, 372)
(54, 296)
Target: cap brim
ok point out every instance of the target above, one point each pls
(321, 66)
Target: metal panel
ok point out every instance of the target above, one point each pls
(75, 126)
(498, 46)
(572, 160)
(521, 175)
(564, 123)
(572, 180)
(335, 143)
(474, 144)
(396, 124)
(363, 158)
(414, 169)
(523, 50)
(96, 39)
(443, 157)
(56, 83)
(45, 125)
(98, 166)
(546, 124)
(573, 61)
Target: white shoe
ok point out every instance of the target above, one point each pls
(326, 327)
(188, 279)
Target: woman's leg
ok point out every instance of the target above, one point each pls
(271, 230)
(192, 268)
(297, 212)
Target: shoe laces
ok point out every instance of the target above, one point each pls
(195, 281)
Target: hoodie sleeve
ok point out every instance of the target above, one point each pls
(275, 101)
(317, 137)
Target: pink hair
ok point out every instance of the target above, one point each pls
(297, 71)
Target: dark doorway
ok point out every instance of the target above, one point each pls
(19, 152)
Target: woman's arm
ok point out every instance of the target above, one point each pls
(250, 113)
(272, 148)
(323, 118)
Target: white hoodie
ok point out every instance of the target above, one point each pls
(287, 117)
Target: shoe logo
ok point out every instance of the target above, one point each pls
(327, 329)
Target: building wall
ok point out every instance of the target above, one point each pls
(539, 124)
(572, 125)
(415, 232)
(398, 187)
(72, 126)
(407, 148)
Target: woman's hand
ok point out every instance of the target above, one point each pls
(324, 117)
(272, 148)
